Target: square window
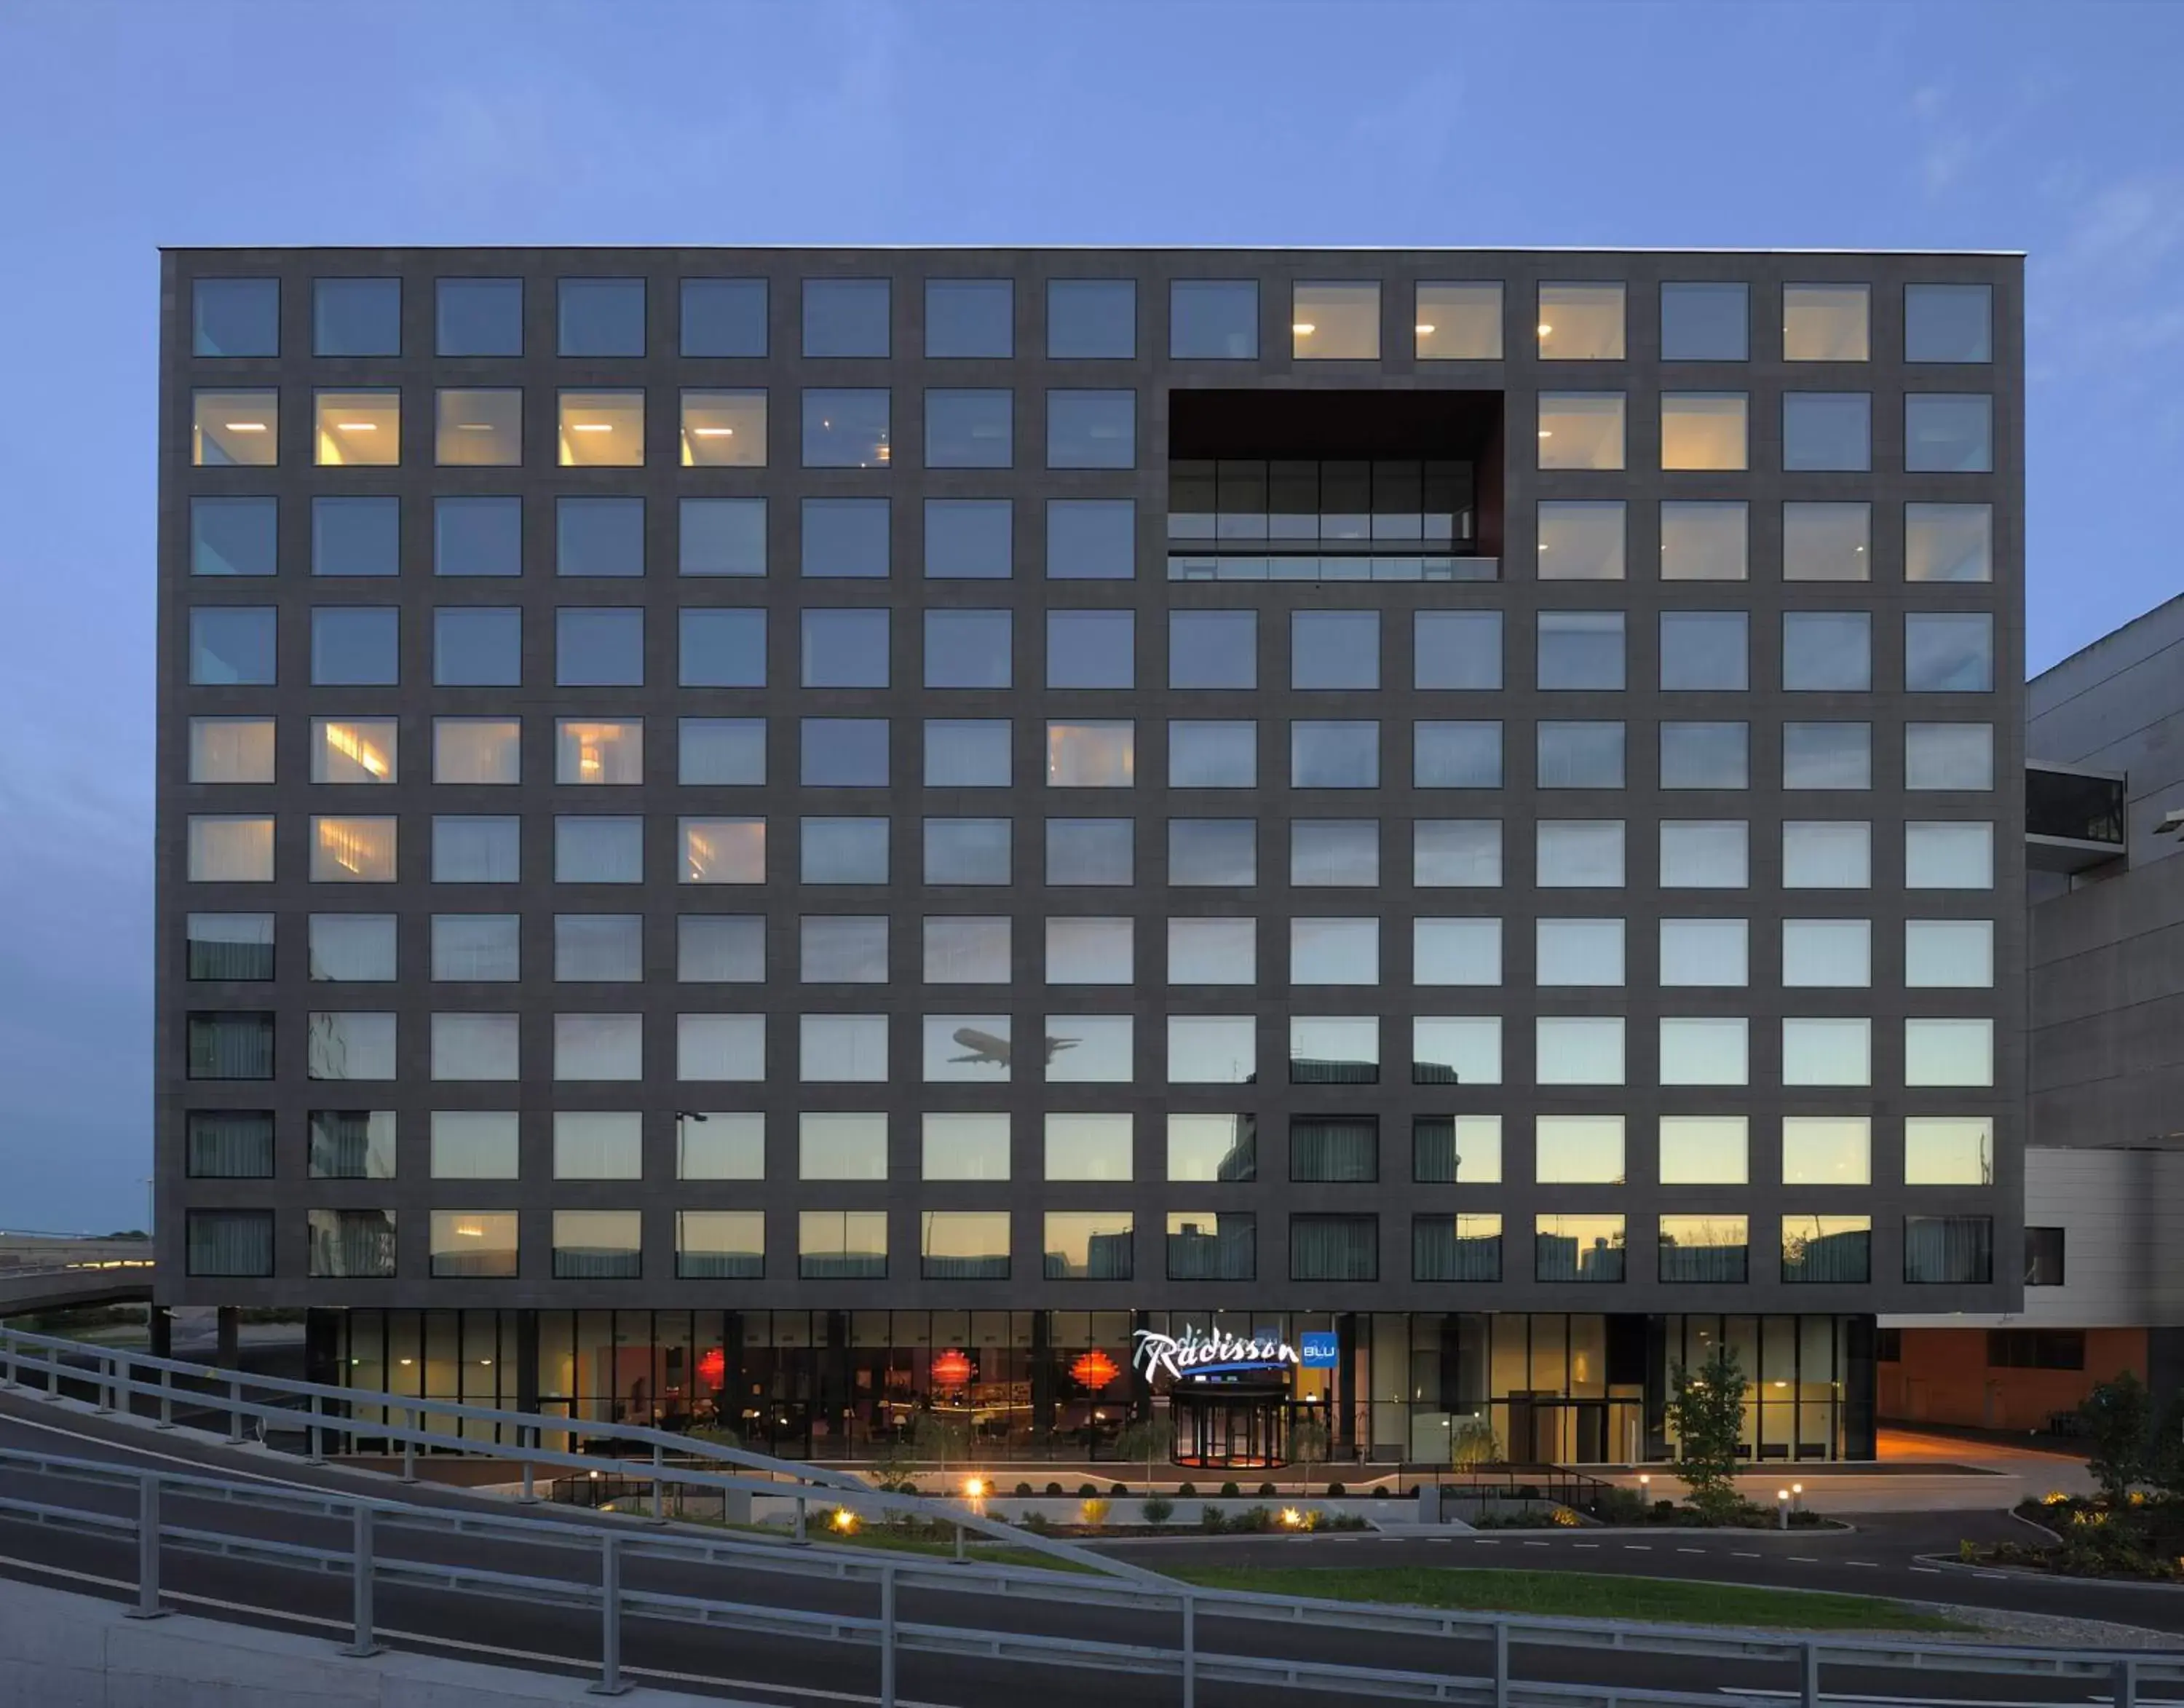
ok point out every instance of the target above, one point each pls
(1090, 649)
(478, 427)
(1948, 542)
(234, 536)
(1335, 1050)
(1578, 952)
(1948, 1051)
(969, 649)
(1579, 1050)
(842, 949)
(1213, 319)
(726, 850)
(356, 317)
(1948, 954)
(1088, 429)
(968, 851)
(469, 850)
(1335, 755)
(969, 429)
(598, 948)
(1704, 953)
(1581, 322)
(1826, 323)
(1335, 853)
(1457, 853)
(229, 850)
(1949, 323)
(721, 647)
(1827, 541)
(722, 536)
(1827, 651)
(1213, 649)
(1948, 432)
(231, 750)
(1827, 954)
(345, 948)
(720, 949)
(1091, 538)
(1827, 1051)
(845, 851)
(843, 752)
(1712, 1051)
(602, 648)
(353, 750)
(1827, 756)
(1705, 322)
(970, 317)
(1948, 1151)
(601, 429)
(724, 317)
(1948, 756)
(1827, 430)
(1091, 319)
(354, 646)
(1945, 855)
(844, 649)
(1705, 854)
(1212, 951)
(1949, 652)
(722, 751)
(724, 429)
(962, 949)
(1824, 855)
(591, 848)
(235, 429)
(1705, 542)
(231, 646)
(1581, 853)
(478, 317)
(1334, 649)
(1580, 650)
(601, 317)
(1581, 430)
(1580, 754)
(846, 429)
(356, 536)
(1827, 1150)
(470, 947)
(1705, 756)
(1581, 540)
(1459, 321)
(477, 536)
(1335, 321)
(590, 752)
(1090, 851)
(598, 536)
(1089, 952)
(357, 429)
(969, 540)
(1457, 649)
(477, 646)
(1212, 852)
(1211, 754)
(846, 538)
(967, 753)
(845, 317)
(1457, 756)
(1091, 755)
(235, 317)
(1703, 430)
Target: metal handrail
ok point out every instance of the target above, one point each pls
(893, 1573)
(115, 1376)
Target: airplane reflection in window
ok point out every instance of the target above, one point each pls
(987, 1049)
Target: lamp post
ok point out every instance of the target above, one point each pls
(1781, 1509)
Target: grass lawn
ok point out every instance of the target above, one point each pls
(1577, 1595)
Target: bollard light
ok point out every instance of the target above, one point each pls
(844, 1520)
(1781, 1509)
(975, 1487)
(1797, 1496)
(1291, 1518)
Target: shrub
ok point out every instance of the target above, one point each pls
(1158, 1510)
(1094, 1511)
(1335, 1491)
(1229, 1491)
(1380, 1491)
(2119, 1417)
(1268, 1491)
(1210, 1520)
(1023, 1491)
(1053, 1490)
(1086, 1491)
(1253, 1520)
(1623, 1506)
(1189, 1490)
(1037, 1521)
(1120, 1490)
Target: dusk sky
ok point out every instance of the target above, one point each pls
(2054, 130)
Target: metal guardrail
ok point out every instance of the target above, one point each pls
(368, 1562)
(113, 1375)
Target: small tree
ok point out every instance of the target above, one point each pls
(1146, 1439)
(1705, 1409)
(2165, 1456)
(1308, 1445)
(937, 1437)
(2118, 1415)
(1471, 1442)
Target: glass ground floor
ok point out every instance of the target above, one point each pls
(1422, 1388)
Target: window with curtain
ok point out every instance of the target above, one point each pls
(1448, 1149)
(598, 1245)
(1456, 1248)
(229, 1243)
(1945, 1250)
(352, 1244)
(231, 946)
(1334, 1148)
(229, 1144)
(352, 1144)
(1088, 1245)
(230, 1046)
(720, 1245)
(1704, 1248)
(1212, 1245)
(1334, 1248)
(1827, 1248)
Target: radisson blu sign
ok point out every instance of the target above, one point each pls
(1193, 1355)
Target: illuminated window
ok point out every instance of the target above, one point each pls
(720, 1245)
(1580, 323)
(231, 750)
(601, 429)
(235, 429)
(723, 851)
(353, 750)
(1335, 321)
(723, 429)
(1703, 430)
(1581, 430)
(475, 1244)
(589, 750)
(1826, 323)
(841, 1245)
(599, 1245)
(1091, 756)
(357, 429)
(352, 851)
(479, 429)
(1459, 321)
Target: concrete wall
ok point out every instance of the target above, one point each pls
(1944, 1377)
(59, 1650)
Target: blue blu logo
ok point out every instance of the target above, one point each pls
(1319, 1351)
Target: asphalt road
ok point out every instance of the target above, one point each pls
(767, 1668)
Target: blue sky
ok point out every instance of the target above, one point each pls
(2054, 129)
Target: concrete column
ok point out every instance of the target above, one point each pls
(160, 1322)
(229, 1336)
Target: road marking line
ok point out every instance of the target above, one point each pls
(1588, 1544)
(581, 1667)
(1743, 1556)
(1930, 1570)
(1691, 1551)
(1485, 1541)
(1869, 1564)
(1535, 1544)
(1637, 1548)
(1804, 1559)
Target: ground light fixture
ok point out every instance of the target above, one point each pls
(844, 1520)
(1781, 1509)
